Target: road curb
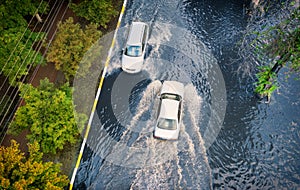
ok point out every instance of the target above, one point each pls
(97, 96)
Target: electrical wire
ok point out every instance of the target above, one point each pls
(57, 10)
(20, 39)
(49, 26)
(4, 127)
(19, 54)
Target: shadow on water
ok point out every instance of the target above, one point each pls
(107, 130)
(104, 109)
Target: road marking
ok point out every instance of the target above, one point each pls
(97, 96)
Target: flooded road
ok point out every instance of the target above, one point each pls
(228, 138)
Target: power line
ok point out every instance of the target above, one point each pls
(21, 38)
(30, 51)
(19, 54)
(49, 27)
(16, 93)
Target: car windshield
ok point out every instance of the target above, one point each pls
(169, 124)
(134, 51)
(170, 96)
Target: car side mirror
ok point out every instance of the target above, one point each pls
(158, 96)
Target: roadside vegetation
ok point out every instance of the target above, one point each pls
(49, 115)
(47, 111)
(18, 49)
(18, 171)
(98, 12)
(281, 44)
(70, 45)
(16, 40)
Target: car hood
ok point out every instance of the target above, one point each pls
(173, 87)
(132, 62)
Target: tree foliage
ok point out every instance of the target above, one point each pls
(16, 53)
(286, 43)
(266, 83)
(18, 172)
(49, 115)
(16, 48)
(70, 45)
(284, 48)
(96, 11)
(12, 13)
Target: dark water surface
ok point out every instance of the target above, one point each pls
(257, 144)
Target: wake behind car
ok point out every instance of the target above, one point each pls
(134, 51)
(170, 111)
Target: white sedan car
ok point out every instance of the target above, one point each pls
(134, 51)
(170, 111)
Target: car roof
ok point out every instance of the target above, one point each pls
(136, 33)
(169, 108)
(173, 87)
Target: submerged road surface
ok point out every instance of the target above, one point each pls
(224, 140)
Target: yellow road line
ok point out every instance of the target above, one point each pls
(97, 97)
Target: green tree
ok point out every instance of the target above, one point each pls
(12, 13)
(284, 47)
(266, 83)
(18, 172)
(70, 45)
(49, 115)
(16, 51)
(96, 11)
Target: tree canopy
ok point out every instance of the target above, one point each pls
(284, 48)
(16, 53)
(70, 45)
(49, 114)
(18, 172)
(16, 40)
(12, 13)
(99, 12)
